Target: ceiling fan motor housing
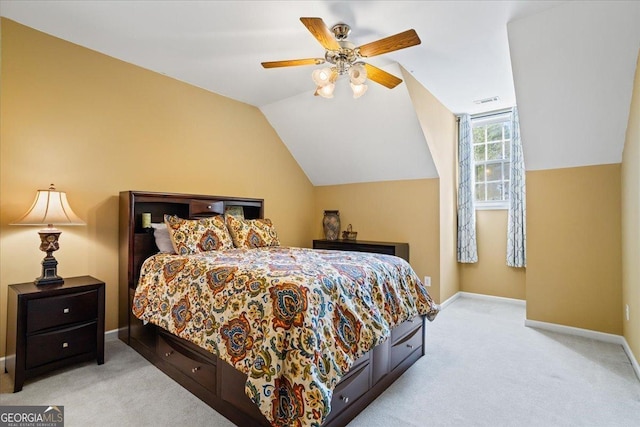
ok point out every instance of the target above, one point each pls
(341, 31)
(344, 58)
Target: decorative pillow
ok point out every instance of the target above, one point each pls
(161, 234)
(190, 236)
(252, 233)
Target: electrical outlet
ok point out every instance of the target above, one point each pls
(427, 281)
(626, 311)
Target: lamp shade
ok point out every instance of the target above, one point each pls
(50, 207)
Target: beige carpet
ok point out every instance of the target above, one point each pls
(482, 368)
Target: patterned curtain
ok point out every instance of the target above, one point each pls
(517, 224)
(467, 248)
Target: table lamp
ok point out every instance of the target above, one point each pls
(50, 207)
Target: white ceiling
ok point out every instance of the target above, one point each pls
(465, 55)
(573, 68)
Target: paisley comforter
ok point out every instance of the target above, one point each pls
(294, 320)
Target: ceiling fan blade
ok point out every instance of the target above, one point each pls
(389, 44)
(293, 62)
(382, 77)
(321, 32)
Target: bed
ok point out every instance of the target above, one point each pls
(264, 334)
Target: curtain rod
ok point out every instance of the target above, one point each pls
(488, 113)
(491, 113)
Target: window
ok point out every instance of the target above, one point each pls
(492, 159)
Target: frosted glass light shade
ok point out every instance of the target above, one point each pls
(357, 74)
(326, 91)
(50, 207)
(322, 76)
(358, 90)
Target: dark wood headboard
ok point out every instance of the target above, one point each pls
(137, 243)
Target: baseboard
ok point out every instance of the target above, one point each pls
(449, 300)
(111, 335)
(492, 298)
(462, 294)
(586, 333)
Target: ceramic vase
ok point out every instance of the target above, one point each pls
(331, 225)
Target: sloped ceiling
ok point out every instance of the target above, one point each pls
(573, 64)
(362, 144)
(573, 68)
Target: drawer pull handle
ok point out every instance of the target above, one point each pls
(409, 345)
(65, 344)
(65, 311)
(168, 353)
(196, 369)
(345, 399)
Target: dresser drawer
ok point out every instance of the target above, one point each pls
(350, 388)
(405, 346)
(189, 363)
(45, 313)
(404, 328)
(60, 344)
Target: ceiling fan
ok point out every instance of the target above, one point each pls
(345, 57)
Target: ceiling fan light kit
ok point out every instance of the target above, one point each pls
(344, 57)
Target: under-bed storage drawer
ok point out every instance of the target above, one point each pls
(354, 384)
(186, 361)
(404, 328)
(404, 347)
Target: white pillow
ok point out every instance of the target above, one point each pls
(161, 234)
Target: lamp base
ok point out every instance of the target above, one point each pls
(49, 272)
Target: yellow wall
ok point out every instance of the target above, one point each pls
(440, 130)
(491, 275)
(95, 126)
(395, 211)
(574, 247)
(631, 222)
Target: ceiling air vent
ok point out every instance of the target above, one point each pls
(486, 100)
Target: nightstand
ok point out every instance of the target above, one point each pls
(52, 326)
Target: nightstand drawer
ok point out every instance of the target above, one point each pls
(60, 344)
(45, 313)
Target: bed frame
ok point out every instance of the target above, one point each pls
(211, 379)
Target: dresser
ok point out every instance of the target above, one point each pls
(390, 248)
(52, 326)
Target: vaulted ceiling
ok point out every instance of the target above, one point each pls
(570, 64)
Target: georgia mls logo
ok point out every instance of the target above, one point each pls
(31, 416)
